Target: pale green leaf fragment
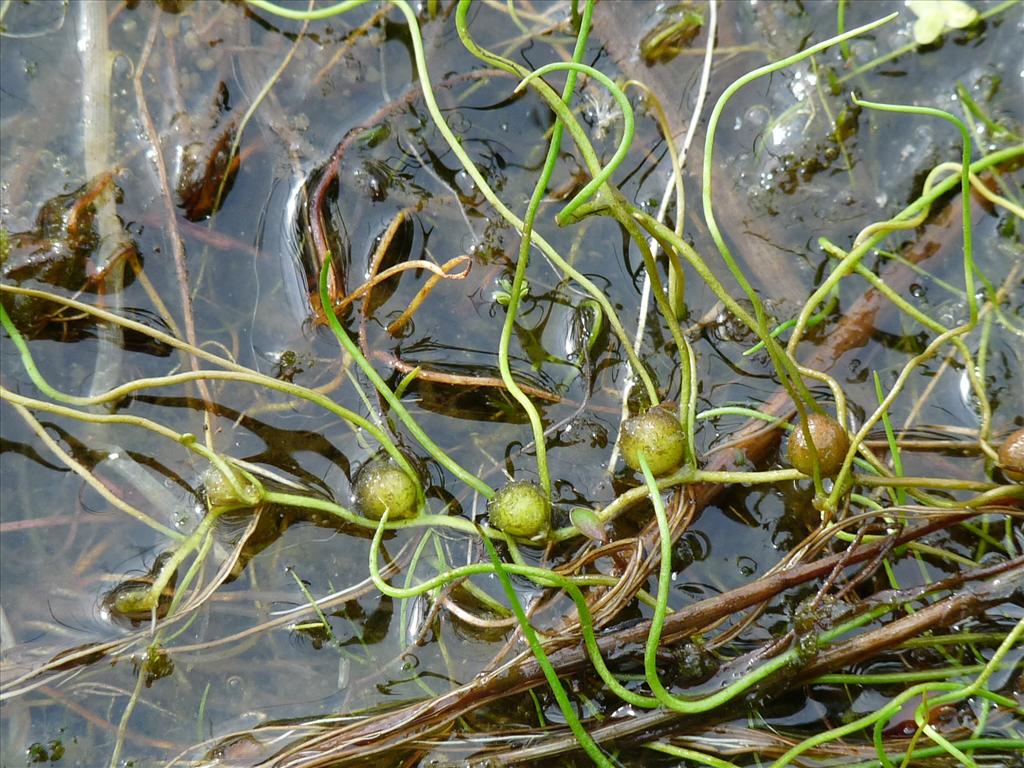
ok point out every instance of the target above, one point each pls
(588, 523)
(927, 29)
(959, 14)
(936, 16)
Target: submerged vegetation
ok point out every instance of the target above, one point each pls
(387, 382)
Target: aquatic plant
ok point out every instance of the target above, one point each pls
(593, 600)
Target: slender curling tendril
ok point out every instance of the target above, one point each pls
(783, 362)
(518, 280)
(565, 215)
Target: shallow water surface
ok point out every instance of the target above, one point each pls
(188, 167)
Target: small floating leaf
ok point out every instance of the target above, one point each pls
(588, 524)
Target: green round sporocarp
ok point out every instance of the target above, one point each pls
(382, 486)
(1011, 456)
(658, 435)
(520, 509)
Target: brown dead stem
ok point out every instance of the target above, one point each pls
(329, 177)
(170, 216)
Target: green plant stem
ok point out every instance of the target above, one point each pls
(585, 740)
(740, 410)
(687, 374)
(554, 148)
(185, 548)
(906, 676)
(844, 47)
(689, 754)
(813, 321)
(994, 158)
(87, 475)
(332, 508)
(604, 174)
(968, 257)
(186, 582)
(684, 476)
(310, 15)
(993, 664)
(783, 362)
(945, 483)
(237, 372)
(589, 157)
(129, 708)
(921, 690)
(869, 423)
(883, 715)
(658, 621)
(972, 371)
(916, 756)
(676, 276)
(948, 747)
(670, 241)
(912, 46)
(965, 188)
(393, 402)
(876, 719)
(546, 578)
(623, 213)
(880, 285)
(474, 173)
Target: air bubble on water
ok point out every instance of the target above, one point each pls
(779, 135)
(967, 396)
(953, 313)
(801, 84)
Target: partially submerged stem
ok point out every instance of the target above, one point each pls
(396, 405)
(540, 188)
(97, 60)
